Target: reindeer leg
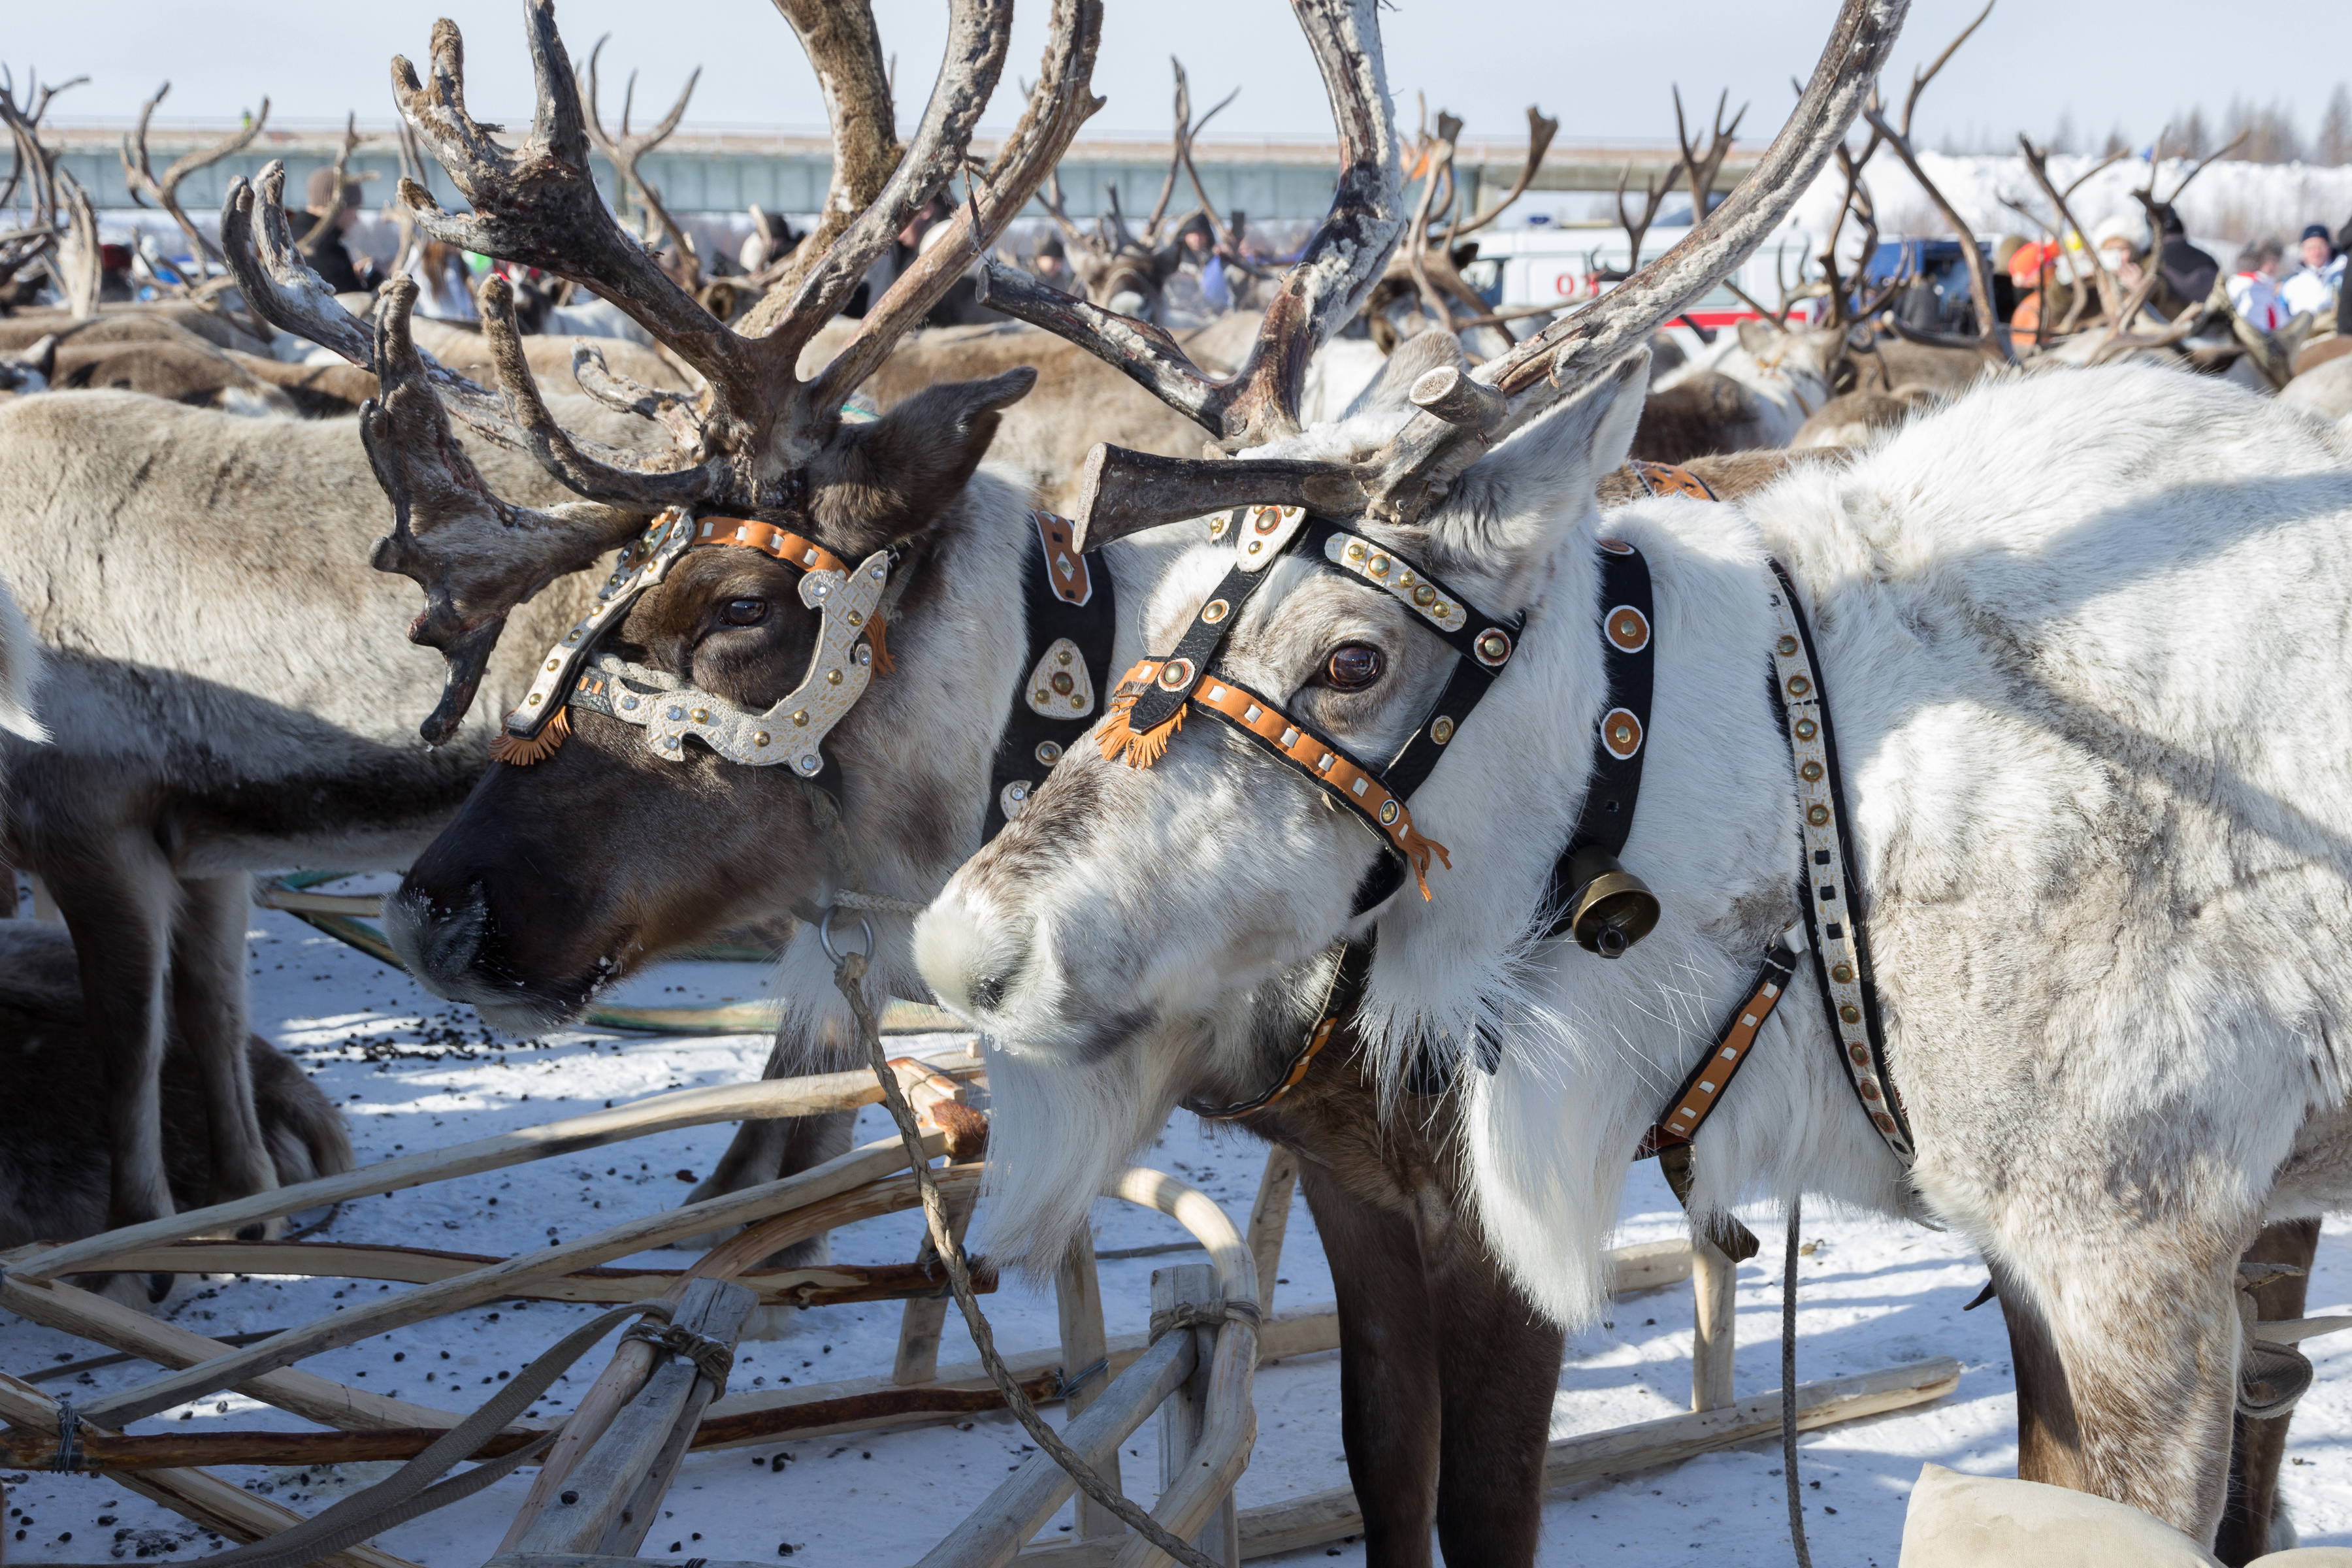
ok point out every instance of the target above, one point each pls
(117, 897)
(2125, 1352)
(2258, 1445)
(810, 1141)
(1497, 1363)
(208, 1013)
(1388, 1381)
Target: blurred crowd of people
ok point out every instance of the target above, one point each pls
(2268, 286)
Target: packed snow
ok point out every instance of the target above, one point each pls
(412, 1073)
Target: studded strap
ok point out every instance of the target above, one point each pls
(1831, 893)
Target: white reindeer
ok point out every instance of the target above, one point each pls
(2092, 703)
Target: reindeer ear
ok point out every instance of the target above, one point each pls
(876, 484)
(1508, 507)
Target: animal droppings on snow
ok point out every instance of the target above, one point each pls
(416, 1073)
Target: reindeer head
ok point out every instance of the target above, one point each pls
(765, 451)
(1248, 824)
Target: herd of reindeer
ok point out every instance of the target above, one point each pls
(2077, 603)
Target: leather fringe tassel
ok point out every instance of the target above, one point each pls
(1418, 848)
(874, 639)
(523, 751)
(1119, 743)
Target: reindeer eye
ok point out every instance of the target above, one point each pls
(1352, 667)
(744, 612)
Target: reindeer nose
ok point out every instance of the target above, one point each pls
(438, 945)
(970, 958)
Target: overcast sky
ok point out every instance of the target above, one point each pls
(1602, 68)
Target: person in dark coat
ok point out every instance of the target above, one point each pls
(2188, 272)
(324, 204)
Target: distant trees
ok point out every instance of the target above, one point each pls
(2270, 130)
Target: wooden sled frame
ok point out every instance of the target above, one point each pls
(622, 1444)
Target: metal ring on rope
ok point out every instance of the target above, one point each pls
(824, 934)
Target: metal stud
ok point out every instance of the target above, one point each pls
(1807, 729)
(1850, 1013)
(554, 664)
(760, 739)
(1268, 519)
(1799, 686)
(1441, 731)
(1215, 610)
(534, 699)
(1494, 647)
(811, 763)
(1049, 752)
(832, 677)
(1819, 816)
(1378, 566)
(1811, 772)
(1787, 646)
(628, 702)
(676, 714)
(1843, 973)
(1062, 683)
(1389, 810)
(702, 715)
(800, 719)
(1424, 595)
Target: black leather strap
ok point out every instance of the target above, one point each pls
(1607, 819)
(1198, 647)
(1033, 741)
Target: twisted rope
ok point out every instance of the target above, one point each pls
(849, 974)
(1788, 1389)
(711, 1358)
(1202, 1315)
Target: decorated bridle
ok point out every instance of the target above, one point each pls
(1604, 906)
(577, 673)
(1071, 618)
(1590, 895)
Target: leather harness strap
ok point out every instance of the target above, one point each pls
(1829, 890)
(1072, 616)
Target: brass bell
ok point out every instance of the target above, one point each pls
(1612, 909)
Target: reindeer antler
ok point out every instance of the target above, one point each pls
(1541, 131)
(53, 191)
(1700, 169)
(624, 151)
(1319, 292)
(140, 173)
(747, 440)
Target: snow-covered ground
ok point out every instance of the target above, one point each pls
(412, 1073)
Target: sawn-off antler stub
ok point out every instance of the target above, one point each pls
(745, 442)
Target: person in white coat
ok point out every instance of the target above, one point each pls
(2313, 287)
(2253, 286)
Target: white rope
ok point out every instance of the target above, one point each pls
(882, 902)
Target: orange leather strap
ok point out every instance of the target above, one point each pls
(1702, 1092)
(1670, 480)
(770, 540)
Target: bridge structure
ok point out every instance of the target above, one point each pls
(726, 170)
